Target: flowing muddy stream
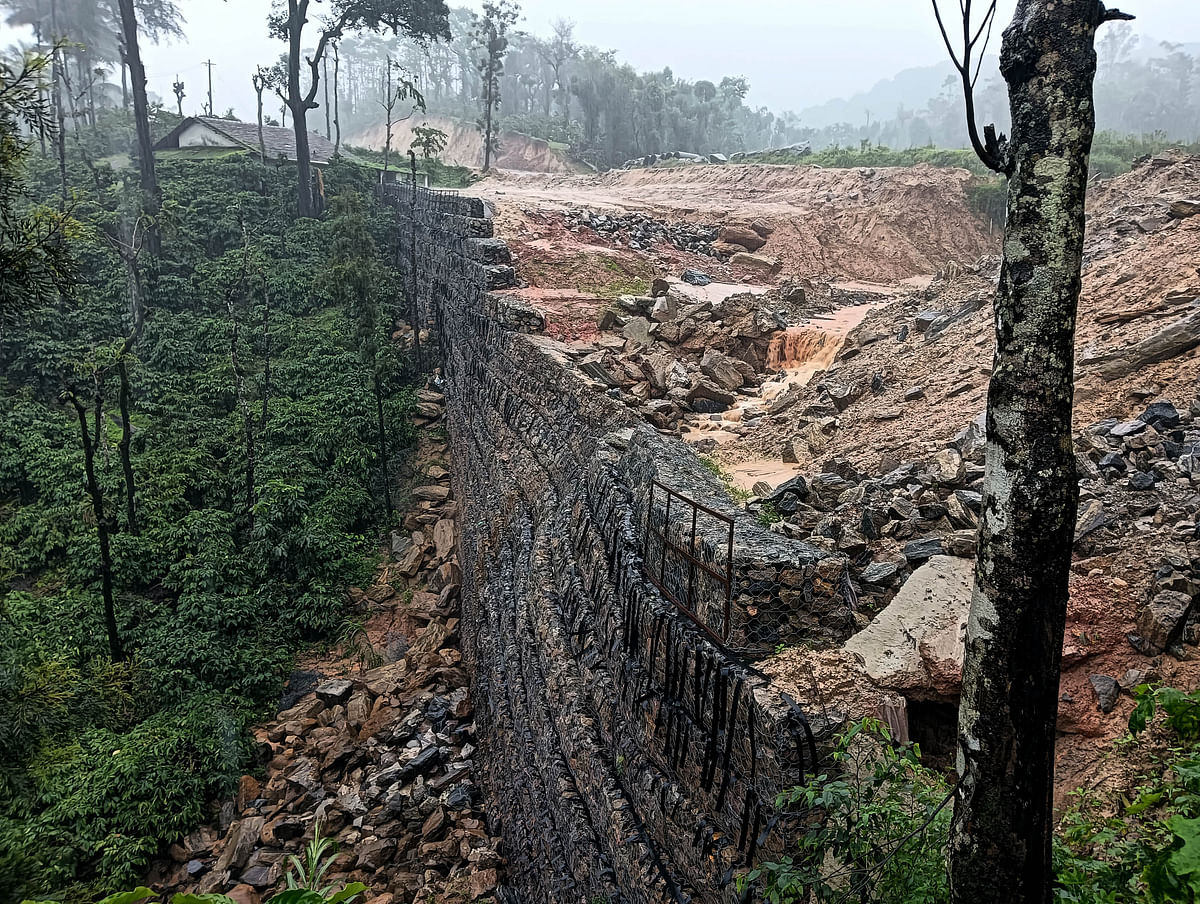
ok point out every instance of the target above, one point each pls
(797, 354)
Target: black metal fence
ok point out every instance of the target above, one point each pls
(688, 556)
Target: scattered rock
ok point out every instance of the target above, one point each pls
(1183, 209)
(1161, 622)
(335, 691)
(1107, 691)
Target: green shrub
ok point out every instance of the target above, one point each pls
(879, 817)
(1140, 845)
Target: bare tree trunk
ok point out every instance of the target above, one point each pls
(262, 141)
(487, 117)
(123, 447)
(389, 105)
(152, 198)
(337, 123)
(103, 527)
(1000, 846)
(325, 79)
(296, 103)
(60, 137)
(137, 309)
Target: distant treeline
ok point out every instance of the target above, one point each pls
(1150, 93)
(606, 112)
(556, 88)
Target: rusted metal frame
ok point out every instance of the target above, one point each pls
(697, 563)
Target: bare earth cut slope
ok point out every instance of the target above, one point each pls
(464, 145)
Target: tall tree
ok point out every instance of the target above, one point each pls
(131, 51)
(105, 524)
(399, 87)
(261, 80)
(417, 19)
(1000, 846)
(491, 35)
(557, 52)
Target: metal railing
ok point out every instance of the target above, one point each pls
(693, 572)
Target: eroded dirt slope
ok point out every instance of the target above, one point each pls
(464, 145)
(877, 224)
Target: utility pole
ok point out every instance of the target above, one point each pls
(209, 64)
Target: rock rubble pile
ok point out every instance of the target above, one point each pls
(640, 232)
(381, 759)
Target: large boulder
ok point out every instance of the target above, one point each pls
(1161, 623)
(721, 369)
(915, 645)
(739, 234)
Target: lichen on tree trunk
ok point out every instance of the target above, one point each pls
(1000, 846)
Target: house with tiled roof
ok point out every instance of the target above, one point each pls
(207, 135)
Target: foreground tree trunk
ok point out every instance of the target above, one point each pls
(1000, 845)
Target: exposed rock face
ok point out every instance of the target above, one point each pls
(915, 645)
(622, 751)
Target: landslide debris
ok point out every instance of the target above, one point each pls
(376, 746)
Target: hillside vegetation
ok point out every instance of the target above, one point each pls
(258, 500)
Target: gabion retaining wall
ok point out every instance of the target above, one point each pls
(628, 757)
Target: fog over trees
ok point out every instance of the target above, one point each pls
(556, 85)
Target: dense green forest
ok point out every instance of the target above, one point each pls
(226, 395)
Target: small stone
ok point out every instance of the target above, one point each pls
(1141, 481)
(458, 797)
(1161, 416)
(921, 550)
(1114, 461)
(196, 869)
(1107, 691)
(917, 392)
(1134, 678)
(483, 883)
(1128, 428)
(433, 493)
(335, 691)
(695, 277)
(243, 894)
(880, 573)
(1184, 208)
(948, 468)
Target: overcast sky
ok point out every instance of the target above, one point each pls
(796, 53)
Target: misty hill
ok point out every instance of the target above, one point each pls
(909, 88)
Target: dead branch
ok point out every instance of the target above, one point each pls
(990, 148)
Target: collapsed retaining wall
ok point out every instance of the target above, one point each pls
(627, 757)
